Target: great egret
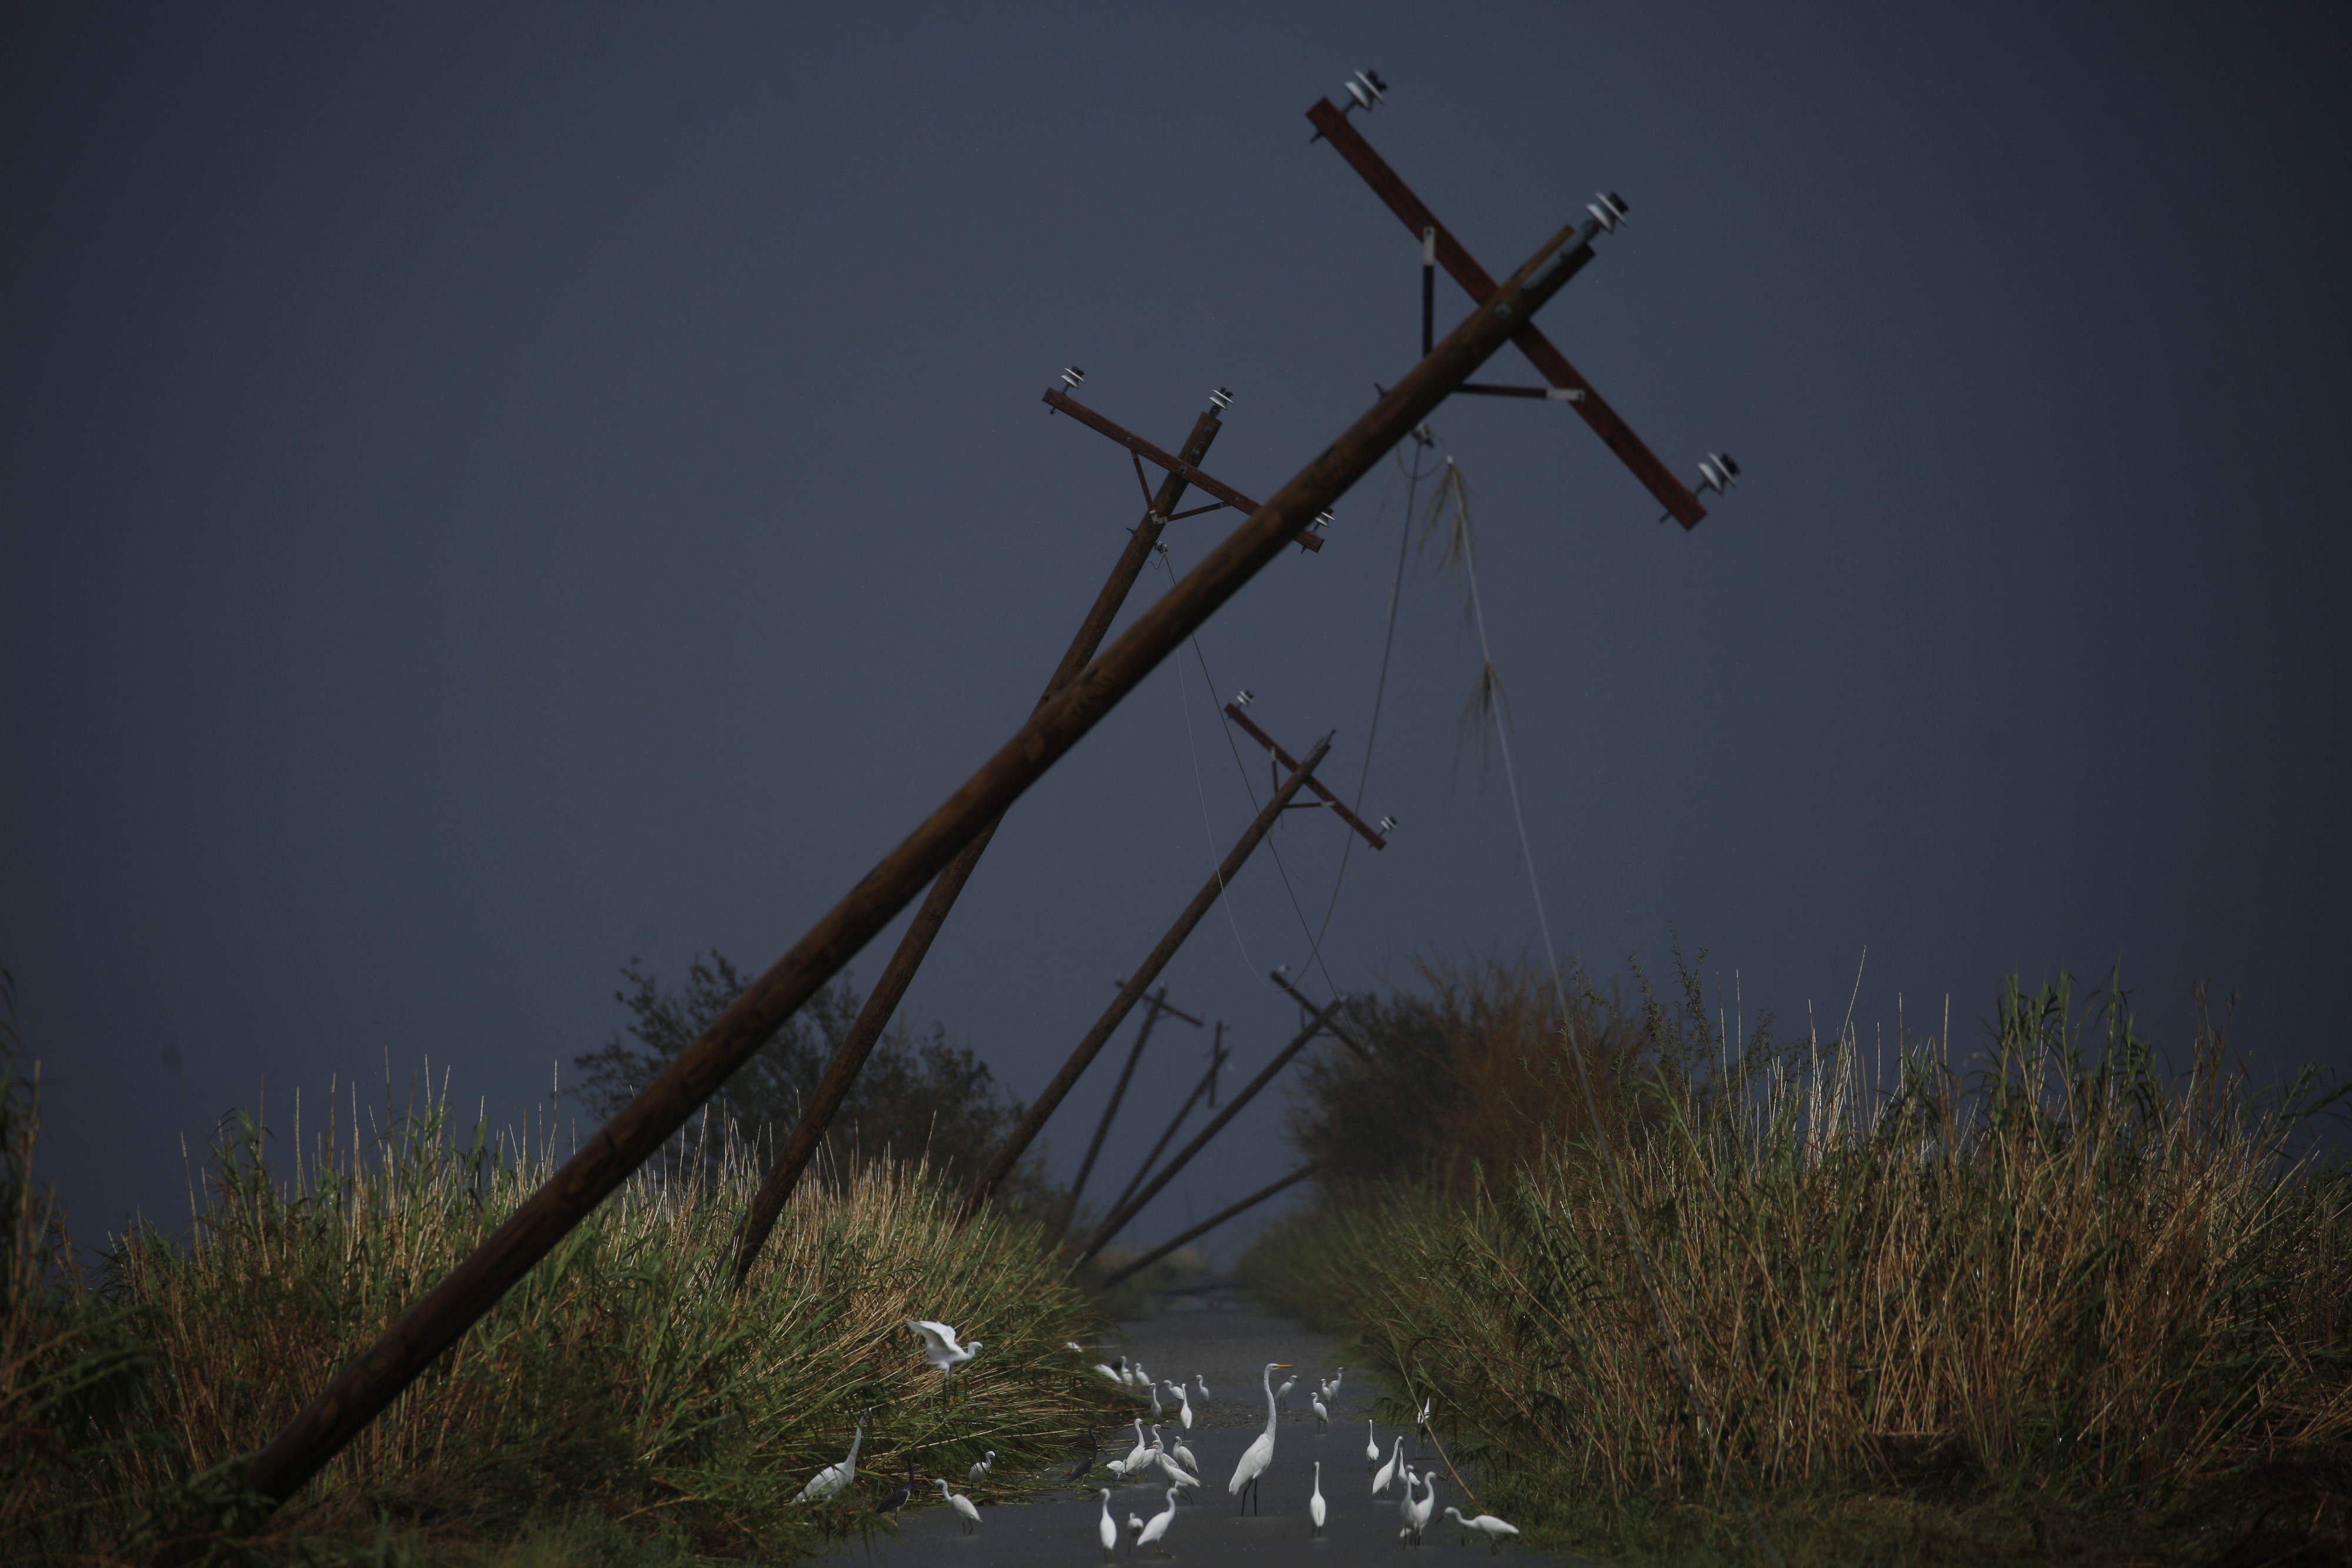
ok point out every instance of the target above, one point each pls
(1137, 1455)
(1314, 1503)
(1389, 1471)
(1322, 1413)
(1156, 1532)
(1371, 1445)
(1417, 1513)
(830, 1482)
(1107, 1532)
(1183, 1403)
(979, 1472)
(960, 1503)
(1258, 1457)
(1486, 1524)
(939, 1346)
(1404, 1506)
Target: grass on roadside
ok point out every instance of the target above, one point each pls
(2082, 1308)
(622, 1392)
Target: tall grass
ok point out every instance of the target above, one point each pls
(2073, 1287)
(621, 1377)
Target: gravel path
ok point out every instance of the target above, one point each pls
(1229, 1344)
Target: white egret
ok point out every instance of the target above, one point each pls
(1322, 1413)
(1108, 1531)
(1314, 1503)
(1117, 1375)
(1137, 1377)
(1258, 1457)
(1417, 1513)
(832, 1479)
(1282, 1394)
(1486, 1524)
(1134, 1528)
(1156, 1532)
(1117, 1468)
(1331, 1389)
(979, 1472)
(1170, 1469)
(1159, 1412)
(1183, 1403)
(1420, 1421)
(939, 1346)
(1371, 1445)
(1404, 1507)
(1071, 1344)
(1389, 1471)
(1136, 1455)
(960, 1503)
(1185, 1458)
(1203, 1385)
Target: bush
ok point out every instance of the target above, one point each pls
(622, 1380)
(917, 1098)
(2082, 1302)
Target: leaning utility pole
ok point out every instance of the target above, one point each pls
(1154, 1005)
(358, 1392)
(1266, 1074)
(1033, 1121)
(890, 987)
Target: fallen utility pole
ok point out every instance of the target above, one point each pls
(1154, 1005)
(1174, 1242)
(1439, 244)
(890, 987)
(1371, 837)
(1208, 1083)
(1133, 1207)
(1281, 977)
(1033, 1121)
(1306, 538)
(358, 1393)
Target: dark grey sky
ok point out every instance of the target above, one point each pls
(492, 492)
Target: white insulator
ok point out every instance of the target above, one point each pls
(1244, 698)
(1072, 376)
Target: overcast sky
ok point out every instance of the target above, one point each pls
(491, 492)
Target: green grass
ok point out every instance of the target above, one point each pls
(2079, 1309)
(622, 1404)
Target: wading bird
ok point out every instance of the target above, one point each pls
(979, 1472)
(898, 1495)
(1185, 1458)
(1258, 1457)
(1282, 1394)
(1140, 1452)
(1078, 1470)
(1389, 1471)
(1486, 1524)
(1371, 1446)
(829, 1482)
(1322, 1415)
(939, 1346)
(1108, 1531)
(1202, 1384)
(960, 1503)
(1116, 1373)
(1156, 1532)
(1314, 1503)
(1183, 1403)
(1417, 1513)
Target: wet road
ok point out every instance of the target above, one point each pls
(1229, 1344)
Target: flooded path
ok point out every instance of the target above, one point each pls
(1228, 1343)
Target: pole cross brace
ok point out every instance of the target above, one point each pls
(1549, 361)
(1372, 835)
(1307, 538)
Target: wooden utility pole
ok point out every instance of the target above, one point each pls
(1033, 1121)
(1174, 1242)
(1154, 1005)
(1209, 1084)
(890, 987)
(358, 1393)
(1134, 1206)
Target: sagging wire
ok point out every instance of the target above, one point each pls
(1487, 699)
(1315, 954)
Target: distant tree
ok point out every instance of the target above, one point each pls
(918, 1097)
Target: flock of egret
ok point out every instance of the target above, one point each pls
(1172, 1463)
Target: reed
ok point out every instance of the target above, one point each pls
(2073, 1296)
(623, 1382)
